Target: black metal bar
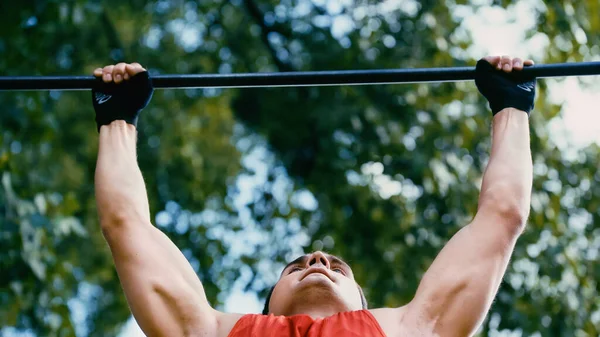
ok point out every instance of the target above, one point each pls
(307, 78)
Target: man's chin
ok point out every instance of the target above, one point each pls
(317, 293)
(316, 284)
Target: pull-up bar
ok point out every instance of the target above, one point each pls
(295, 79)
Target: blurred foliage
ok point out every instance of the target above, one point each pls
(395, 169)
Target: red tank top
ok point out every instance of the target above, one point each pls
(359, 323)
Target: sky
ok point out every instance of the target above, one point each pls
(494, 31)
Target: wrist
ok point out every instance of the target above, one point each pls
(510, 111)
(117, 134)
(511, 115)
(119, 125)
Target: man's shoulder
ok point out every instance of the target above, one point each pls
(393, 323)
(226, 322)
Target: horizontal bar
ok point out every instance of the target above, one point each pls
(295, 79)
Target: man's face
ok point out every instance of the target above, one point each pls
(315, 280)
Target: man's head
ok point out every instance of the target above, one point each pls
(315, 280)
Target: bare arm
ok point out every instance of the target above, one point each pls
(164, 293)
(458, 289)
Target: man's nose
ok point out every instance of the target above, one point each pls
(318, 258)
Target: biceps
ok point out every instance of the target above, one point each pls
(459, 286)
(164, 293)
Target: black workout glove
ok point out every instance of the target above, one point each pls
(505, 90)
(122, 101)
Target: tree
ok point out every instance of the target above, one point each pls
(395, 170)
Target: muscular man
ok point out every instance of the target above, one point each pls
(316, 294)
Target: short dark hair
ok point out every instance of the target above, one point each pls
(363, 299)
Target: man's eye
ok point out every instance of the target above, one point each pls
(294, 270)
(338, 270)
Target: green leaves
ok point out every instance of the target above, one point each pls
(394, 170)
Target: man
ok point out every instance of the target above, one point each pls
(316, 295)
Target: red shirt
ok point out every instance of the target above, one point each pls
(359, 323)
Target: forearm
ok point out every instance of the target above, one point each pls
(508, 178)
(120, 190)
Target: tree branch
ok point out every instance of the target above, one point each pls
(114, 43)
(258, 17)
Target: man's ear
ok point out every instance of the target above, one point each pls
(363, 299)
(267, 301)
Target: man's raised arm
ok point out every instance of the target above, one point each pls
(459, 287)
(163, 291)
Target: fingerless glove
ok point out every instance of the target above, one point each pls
(122, 101)
(505, 90)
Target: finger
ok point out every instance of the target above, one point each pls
(118, 72)
(134, 68)
(107, 73)
(528, 63)
(506, 64)
(98, 72)
(517, 64)
(493, 60)
(137, 65)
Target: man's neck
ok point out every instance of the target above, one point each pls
(314, 311)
